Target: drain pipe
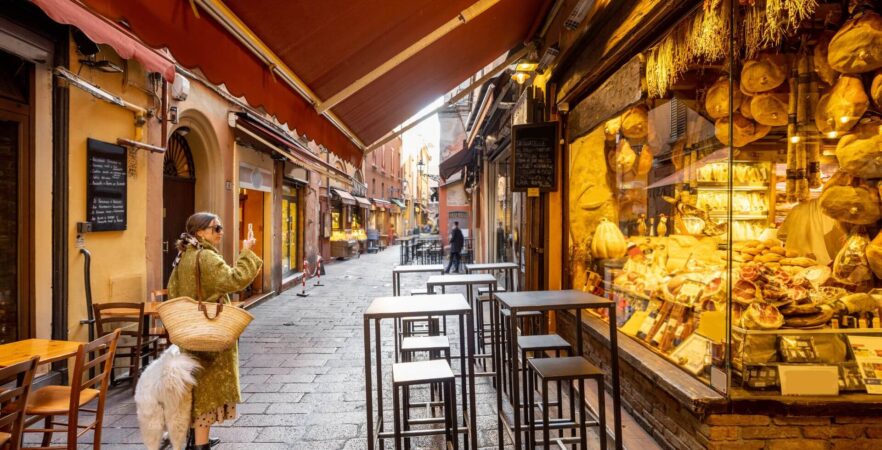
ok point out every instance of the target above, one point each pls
(87, 282)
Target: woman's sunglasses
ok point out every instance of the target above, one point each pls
(217, 228)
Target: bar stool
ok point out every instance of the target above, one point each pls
(538, 344)
(529, 322)
(407, 374)
(565, 370)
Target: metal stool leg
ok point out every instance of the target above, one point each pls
(601, 412)
(583, 428)
(396, 411)
(530, 410)
(546, 437)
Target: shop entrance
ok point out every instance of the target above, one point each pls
(251, 211)
(291, 236)
(16, 208)
(178, 196)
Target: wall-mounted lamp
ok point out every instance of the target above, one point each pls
(173, 114)
(520, 77)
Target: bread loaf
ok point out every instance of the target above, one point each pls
(717, 100)
(766, 72)
(860, 152)
(770, 109)
(842, 107)
(857, 46)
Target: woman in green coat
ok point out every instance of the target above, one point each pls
(216, 392)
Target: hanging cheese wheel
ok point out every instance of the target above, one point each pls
(745, 107)
(842, 107)
(857, 46)
(819, 59)
(717, 100)
(635, 122)
(764, 73)
(860, 152)
(745, 130)
(770, 109)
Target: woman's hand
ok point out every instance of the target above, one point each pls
(248, 243)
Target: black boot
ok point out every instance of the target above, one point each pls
(191, 438)
(202, 447)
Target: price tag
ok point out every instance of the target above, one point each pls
(532, 192)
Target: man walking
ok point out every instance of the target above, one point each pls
(456, 241)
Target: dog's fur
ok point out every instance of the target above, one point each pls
(164, 397)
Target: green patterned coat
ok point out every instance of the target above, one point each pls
(217, 384)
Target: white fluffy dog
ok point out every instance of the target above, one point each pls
(164, 397)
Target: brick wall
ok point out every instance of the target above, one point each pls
(676, 422)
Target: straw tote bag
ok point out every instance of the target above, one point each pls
(191, 326)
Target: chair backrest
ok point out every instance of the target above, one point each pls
(97, 354)
(159, 295)
(13, 399)
(130, 323)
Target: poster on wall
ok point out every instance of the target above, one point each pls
(534, 157)
(106, 194)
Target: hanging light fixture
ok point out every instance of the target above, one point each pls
(520, 77)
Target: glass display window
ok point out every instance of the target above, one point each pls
(291, 236)
(733, 209)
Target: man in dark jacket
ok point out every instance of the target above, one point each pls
(456, 241)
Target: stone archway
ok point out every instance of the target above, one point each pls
(207, 159)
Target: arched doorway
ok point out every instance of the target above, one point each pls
(178, 195)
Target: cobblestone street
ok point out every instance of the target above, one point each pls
(302, 368)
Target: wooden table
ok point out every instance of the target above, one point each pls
(48, 350)
(508, 267)
(553, 301)
(398, 270)
(418, 306)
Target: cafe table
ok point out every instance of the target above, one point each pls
(470, 281)
(418, 306)
(398, 270)
(508, 267)
(150, 309)
(543, 301)
(47, 350)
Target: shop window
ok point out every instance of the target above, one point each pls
(667, 209)
(290, 230)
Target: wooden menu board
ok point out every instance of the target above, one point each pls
(106, 196)
(534, 157)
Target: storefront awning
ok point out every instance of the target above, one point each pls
(455, 163)
(380, 203)
(399, 203)
(344, 196)
(102, 31)
(372, 67)
(362, 202)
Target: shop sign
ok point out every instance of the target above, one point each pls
(534, 157)
(106, 194)
(621, 90)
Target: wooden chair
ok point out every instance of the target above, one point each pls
(50, 401)
(13, 401)
(131, 326)
(156, 329)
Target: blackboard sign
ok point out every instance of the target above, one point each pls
(106, 189)
(533, 161)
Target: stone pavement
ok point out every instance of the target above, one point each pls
(302, 369)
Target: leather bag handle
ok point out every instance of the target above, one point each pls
(199, 293)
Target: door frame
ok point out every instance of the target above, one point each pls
(25, 246)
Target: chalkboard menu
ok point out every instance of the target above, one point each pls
(533, 160)
(106, 189)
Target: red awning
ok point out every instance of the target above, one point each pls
(331, 44)
(203, 44)
(101, 31)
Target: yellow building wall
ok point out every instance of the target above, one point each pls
(43, 201)
(553, 219)
(119, 259)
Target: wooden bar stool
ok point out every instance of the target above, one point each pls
(405, 375)
(50, 401)
(565, 370)
(17, 380)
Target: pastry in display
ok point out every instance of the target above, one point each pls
(857, 46)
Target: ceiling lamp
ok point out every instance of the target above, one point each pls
(526, 64)
(520, 77)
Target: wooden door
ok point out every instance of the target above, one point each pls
(178, 198)
(251, 204)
